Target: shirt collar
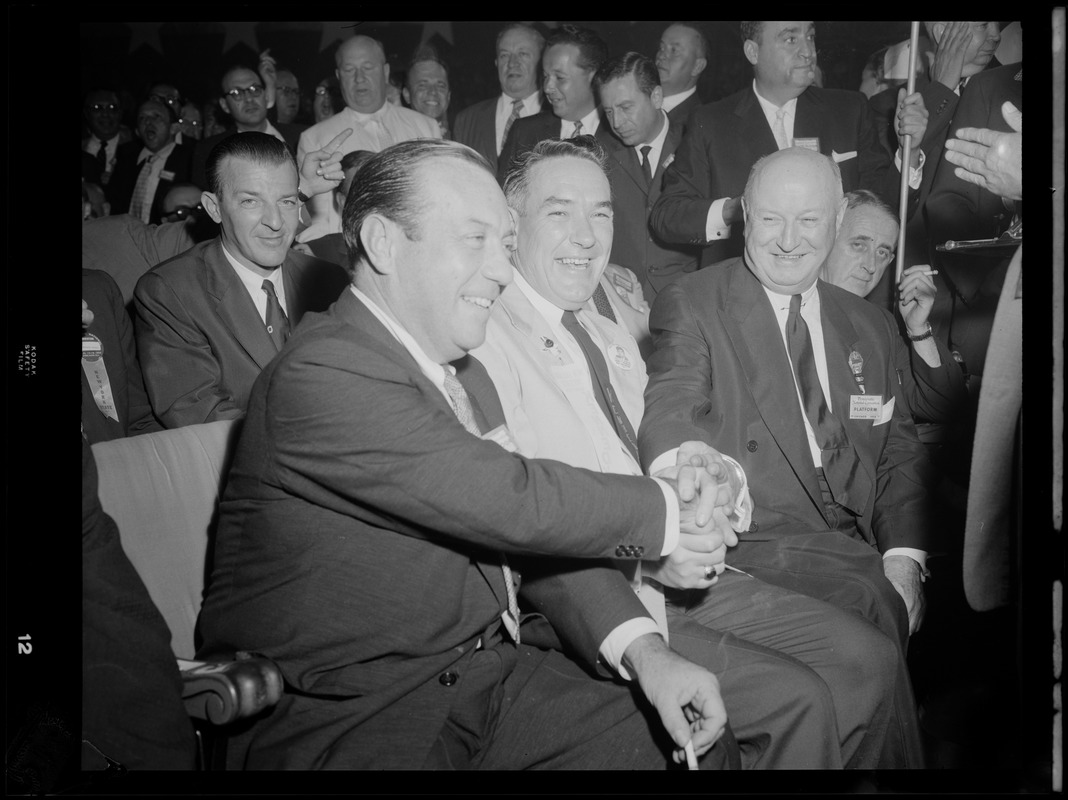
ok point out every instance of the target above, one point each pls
(548, 310)
(531, 103)
(770, 108)
(252, 281)
(363, 118)
(678, 99)
(658, 141)
(590, 123)
(781, 302)
(160, 154)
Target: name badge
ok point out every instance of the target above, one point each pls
(865, 406)
(96, 374)
(620, 356)
(812, 143)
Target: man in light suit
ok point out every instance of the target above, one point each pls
(837, 475)
(363, 75)
(373, 529)
(484, 126)
(790, 696)
(632, 99)
(206, 321)
(701, 199)
(680, 59)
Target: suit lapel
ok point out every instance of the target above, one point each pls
(754, 131)
(235, 307)
(626, 157)
(809, 119)
(671, 144)
(840, 339)
(754, 333)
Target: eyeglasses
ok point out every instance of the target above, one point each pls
(183, 212)
(171, 101)
(196, 123)
(103, 107)
(286, 90)
(321, 90)
(249, 91)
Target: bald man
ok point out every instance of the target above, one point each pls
(363, 74)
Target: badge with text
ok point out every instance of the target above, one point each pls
(97, 375)
(620, 356)
(865, 406)
(856, 365)
(812, 143)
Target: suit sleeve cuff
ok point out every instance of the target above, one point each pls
(715, 227)
(915, 174)
(671, 519)
(616, 643)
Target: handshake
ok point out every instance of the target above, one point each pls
(707, 488)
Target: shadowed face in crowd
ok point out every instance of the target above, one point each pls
(286, 96)
(564, 230)
(103, 114)
(249, 109)
(792, 210)
(678, 59)
(784, 59)
(428, 89)
(567, 85)
(634, 115)
(363, 73)
(257, 207)
(863, 249)
(518, 57)
(154, 125)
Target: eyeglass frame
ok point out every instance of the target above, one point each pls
(255, 90)
(103, 107)
(183, 212)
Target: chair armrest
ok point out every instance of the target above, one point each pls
(223, 691)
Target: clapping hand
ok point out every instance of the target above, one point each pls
(991, 159)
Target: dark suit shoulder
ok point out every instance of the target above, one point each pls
(97, 285)
(475, 109)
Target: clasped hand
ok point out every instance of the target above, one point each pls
(707, 488)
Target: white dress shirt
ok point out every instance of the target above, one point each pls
(656, 146)
(590, 122)
(253, 284)
(531, 105)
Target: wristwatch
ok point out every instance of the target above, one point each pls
(927, 334)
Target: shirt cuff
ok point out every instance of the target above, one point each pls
(617, 642)
(671, 519)
(915, 174)
(919, 556)
(742, 516)
(715, 227)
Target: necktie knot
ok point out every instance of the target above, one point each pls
(647, 168)
(277, 323)
(578, 129)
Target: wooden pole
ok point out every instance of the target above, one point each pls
(906, 156)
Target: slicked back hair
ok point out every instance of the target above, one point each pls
(259, 148)
(752, 30)
(863, 197)
(593, 52)
(644, 70)
(517, 182)
(389, 186)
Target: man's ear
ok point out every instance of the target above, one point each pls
(407, 97)
(699, 66)
(657, 96)
(378, 236)
(211, 204)
(751, 49)
(842, 206)
(225, 108)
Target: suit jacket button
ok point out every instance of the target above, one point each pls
(620, 551)
(639, 551)
(753, 527)
(751, 446)
(448, 678)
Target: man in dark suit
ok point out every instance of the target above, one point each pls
(369, 529)
(680, 59)
(211, 318)
(244, 100)
(572, 57)
(145, 169)
(631, 97)
(701, 203)
(837, 475)
(114, 402)
(484, 126)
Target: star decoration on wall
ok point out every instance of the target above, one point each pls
(145, 33)
(237, 32)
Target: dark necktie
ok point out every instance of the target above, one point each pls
(840, 462)
(465, 412)
(578, 129)
(102, 157)
(602, 383)
(277, 322)
(647, 168)
(600, 302)
(517, 106)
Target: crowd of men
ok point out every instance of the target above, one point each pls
(576, 433)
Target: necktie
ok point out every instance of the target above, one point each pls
(647, 168)
(277, 322)
(780, 129)
(840, 461)
(602, 383)
(600, 301)
(578, 129)
(102, 157)
(140, 203)
(517, 106)
(461, 405)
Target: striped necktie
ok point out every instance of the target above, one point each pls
(517, 106)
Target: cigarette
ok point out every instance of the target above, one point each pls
(691, 758)
(930, 272)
